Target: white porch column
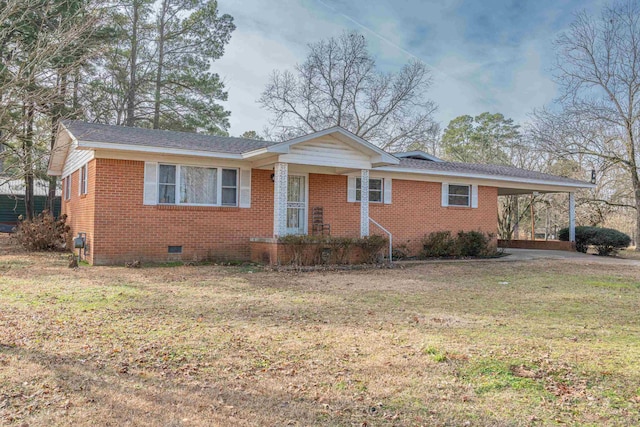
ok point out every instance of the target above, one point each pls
(280, 183)
(364, 202)
(572, 218)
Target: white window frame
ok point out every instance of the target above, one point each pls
(83, 180)
(219, 187)
(67, 187)
(381, 191)
(449, 195)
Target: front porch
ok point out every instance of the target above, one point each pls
(325, 202)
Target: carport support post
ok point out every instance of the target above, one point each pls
(280, 183)
(364, 202)
(572, 218)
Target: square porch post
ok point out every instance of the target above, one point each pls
(572, 218)
(364, 202)
(280, 183)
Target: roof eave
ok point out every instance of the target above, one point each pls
(96, 145)
(58, 151)
(502, 178)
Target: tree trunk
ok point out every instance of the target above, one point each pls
(28, 169)
(53, 180)
(131, 92)
(636, 191)
(156, 106)
(635, 180)
(76, 83)
(55, 118)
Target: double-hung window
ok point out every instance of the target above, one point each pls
(84, 187)
(459, 195)
(229, 187)
(195, 185)
(375, 190)
(167, 184)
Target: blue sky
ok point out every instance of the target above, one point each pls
(485, 55)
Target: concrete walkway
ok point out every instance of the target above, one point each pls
(538, 254)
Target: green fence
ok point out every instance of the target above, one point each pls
(11, 209)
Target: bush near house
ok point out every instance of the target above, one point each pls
(315, 250)
(42, 233)
(606, 240)
(443, 244)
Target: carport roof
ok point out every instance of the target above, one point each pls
(489, 170)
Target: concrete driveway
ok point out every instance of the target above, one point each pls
(537, 254)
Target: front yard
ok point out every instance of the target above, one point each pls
(463, 343)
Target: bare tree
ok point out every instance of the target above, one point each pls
(339, 84)
(39, 42)
(598, 71)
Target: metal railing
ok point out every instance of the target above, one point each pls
(390, 238)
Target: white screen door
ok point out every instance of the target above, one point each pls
(296, 205)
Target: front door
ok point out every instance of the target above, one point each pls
(296, 205)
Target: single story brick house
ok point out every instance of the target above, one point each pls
(156, 195)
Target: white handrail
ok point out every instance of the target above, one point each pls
(390, 239)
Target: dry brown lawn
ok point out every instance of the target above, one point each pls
(629, 254)
(467, 343)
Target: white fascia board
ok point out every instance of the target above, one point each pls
(93, 145)
(505, 179)
(253, 153)
(58, 151)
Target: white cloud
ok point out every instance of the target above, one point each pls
(473, 70)
(269, 36)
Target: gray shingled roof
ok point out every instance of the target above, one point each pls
(83, 131)
(474, 168)
(93, 132)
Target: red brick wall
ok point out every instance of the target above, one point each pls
(415, 210)
(549, 245)
(127, 230)
(80, 209)
(265, 252)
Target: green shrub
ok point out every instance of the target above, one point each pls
(584, 234)
(340, 248)
(371, 246)
(315, 250)
(606, 240)
(439, 244)
(42, 233)
(400, 252)
(303, 249)
(472, 244)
